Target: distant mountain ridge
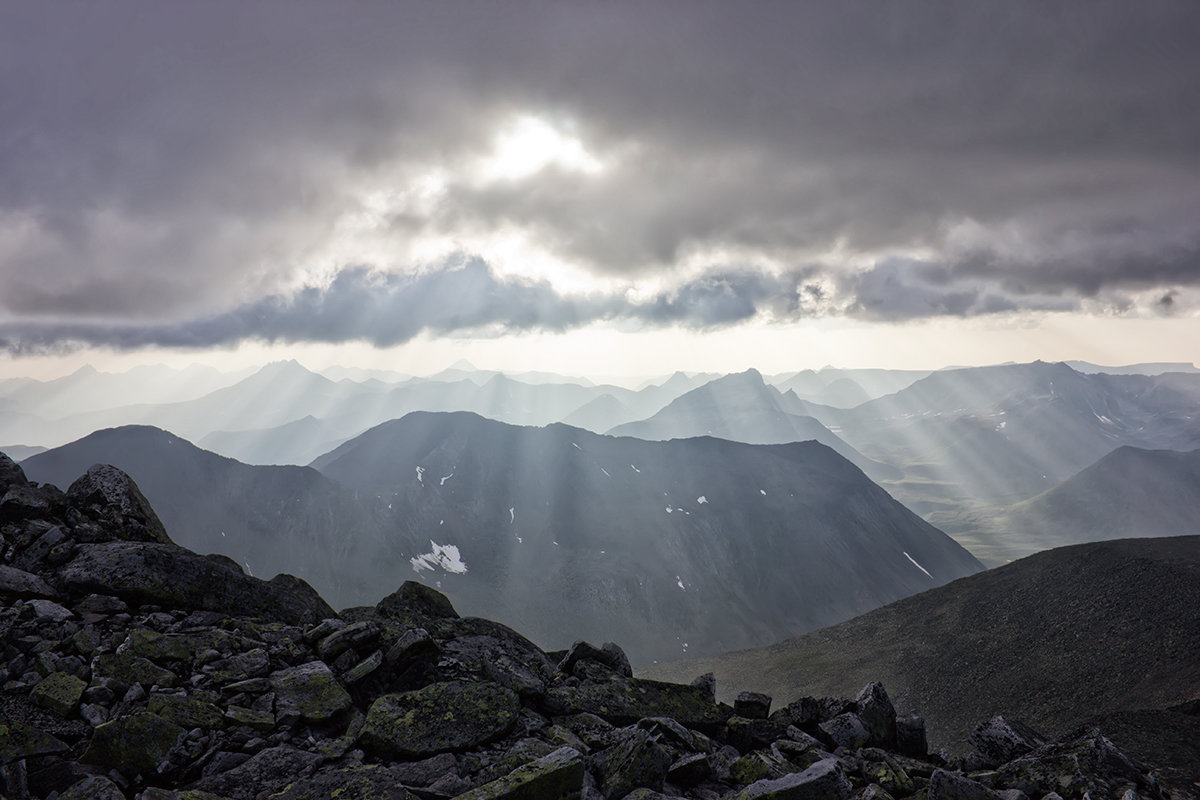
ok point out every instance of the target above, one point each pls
(744, 408)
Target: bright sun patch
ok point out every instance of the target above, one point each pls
(529, 144)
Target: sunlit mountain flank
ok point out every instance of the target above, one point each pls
(599, 401)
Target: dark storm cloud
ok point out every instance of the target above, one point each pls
(465, 296)
(167, 163)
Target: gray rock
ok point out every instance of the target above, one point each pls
(354, 782)
(360, 634)
(134, 743)
(415, 605)
(877, 714)
(625, 701)
(266, 772)
(555, 776)
(635, 760)
(752, 705)
(946, 785)
(19, 583)
(19, 741)
(94, 787)
(441, 717)
(173, 577)
(48, 609)
(707, 683)
(113, 498)
(424, 772)
(365, 667)
(804, 711)
(999, 740)
(310, 692)
(824, 780)
(846, 730)
(414, 643)
(910, 736)
(690, 770)
(11, 473)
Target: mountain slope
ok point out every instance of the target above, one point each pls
(1129, 493)
(743, 408)
(1024, 640)
(270, 519)
(720, 543)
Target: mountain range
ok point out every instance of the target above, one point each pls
(564, 532)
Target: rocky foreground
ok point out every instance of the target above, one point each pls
(134, 668)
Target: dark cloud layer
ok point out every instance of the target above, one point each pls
(170, 173)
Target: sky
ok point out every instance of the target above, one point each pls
(608, 188)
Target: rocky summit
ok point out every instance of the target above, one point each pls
(134, 668)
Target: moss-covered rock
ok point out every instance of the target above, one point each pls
(363, 782)
(555, 776)
(178, 646)
(93, 787)
(58, 692)
(18, 740)
(185, 711)
(438, 718)
(137, 742)
(625, 701)
(251, 718)
(154, 793)
(309, 692)
(128, 669)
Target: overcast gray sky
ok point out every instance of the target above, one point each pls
(223, 174)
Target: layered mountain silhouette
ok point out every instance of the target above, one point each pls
(718, 543)
(1056, 639)
(1008, 432)
(566, 532)
(743, 408)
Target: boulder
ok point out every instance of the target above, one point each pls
(999, 740)
(59, 692)
(309, 692)
(19, 583)
(846, 730)
(19, 740)
(11, 473)
(357, 782)
(93, 787)
(186, 712)
(752, 705)
(263, 774)
(877, 714)
(824, 780)
(441, 717)
(945, 785)
(635, 760)
(910, 736)
(414, 605)
(126, 669)
(111, 497)
(134, 743)
(625, 701)
(171, 576)
(555, 776)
